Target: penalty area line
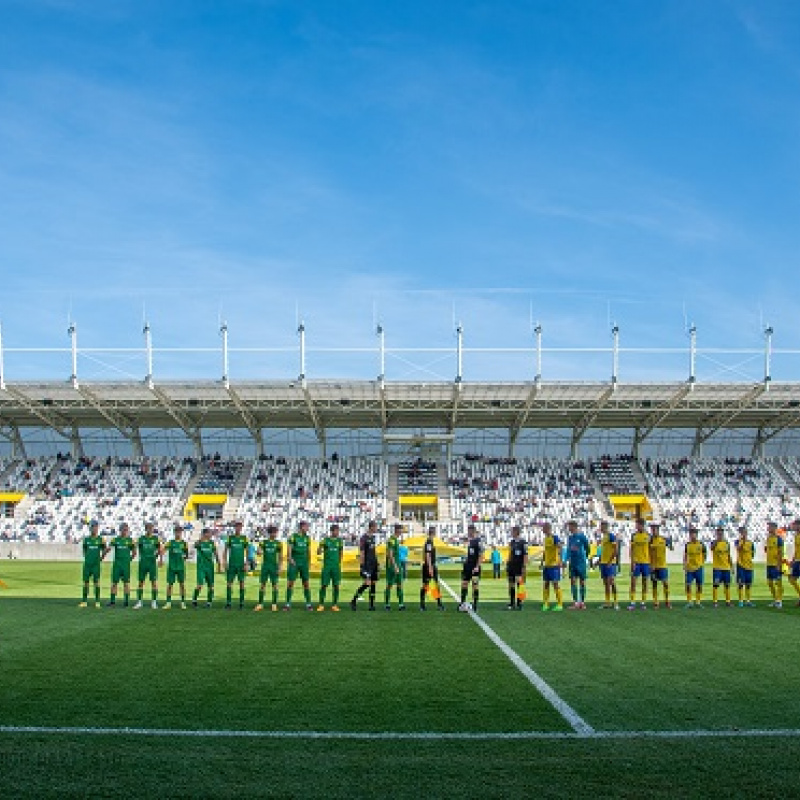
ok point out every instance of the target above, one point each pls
(575, 721)
(742, 733)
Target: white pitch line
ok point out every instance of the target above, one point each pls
(576, 722)
(743, 733)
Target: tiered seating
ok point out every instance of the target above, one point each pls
(284, 491)
(496, 493)
(218, 475)
(709, 492)
(615, 475)
(107, 490)
(417, 477)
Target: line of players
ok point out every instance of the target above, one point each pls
(648, 560)
(151, 554)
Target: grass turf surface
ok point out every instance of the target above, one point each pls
(301, 671)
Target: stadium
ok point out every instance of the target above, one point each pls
(447, 456)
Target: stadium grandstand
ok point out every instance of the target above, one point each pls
(443, 452)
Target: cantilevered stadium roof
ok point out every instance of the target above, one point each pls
(326, 404)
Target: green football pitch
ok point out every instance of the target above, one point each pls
(123, 702)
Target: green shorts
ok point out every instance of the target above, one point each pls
(148, 570)
(393, 577)
(205, 575)
(91, 572)
(176, 575)
(331, 575)
(269, 574)
(298, 568)
(236, 573)
(121, 572)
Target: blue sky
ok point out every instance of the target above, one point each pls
(574, 163)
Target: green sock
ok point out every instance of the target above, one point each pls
(307, 593)
(85, 592)
(261, 596)
(275, 594)
(139, 594)
(241, 595)
(288, 595)
(229, 595)
(386, 596)
(195, 595)
(127, 598)
(322, 595)
(155, 595)
(97, 593)
(210, 595)
(336, 594)
(583, 593)
(400, 594)
(574, 588)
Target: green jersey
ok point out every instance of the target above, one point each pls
(300, 544)
(271, 550)
(177, 552)
(123, 548)
(206, 554)
(93, 547)
(237, 550)
(393, 550)
(332, 551)
(149, 547)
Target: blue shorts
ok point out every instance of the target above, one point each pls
(744, 577)
(577, 571)
(694, 577)
(640, 569)
(722, 576)
(795, 569)
(660, 574)
(774, 573)
(551, 574)
(608, 571)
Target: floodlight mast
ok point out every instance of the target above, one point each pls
(768, 356)
(73, 335)
(223, 331)
(538, 333)
(692, 354)
(148, 349)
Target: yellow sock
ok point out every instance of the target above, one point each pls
(688, 595)
(644, 593)
(747, 593)
(699, 596)
(741, 593)
(546, 594)
(558, 595)
(771, 588)
(796, 586)
(779, 590)
(655, 592)
(727, 593)
(608, 596)
(633, 594)
(714, 594)
(666, 593)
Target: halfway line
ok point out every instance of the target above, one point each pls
(576, 722)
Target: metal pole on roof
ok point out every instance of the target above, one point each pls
(692, 353)
(614, 353)
(223, 330)
(73, 334)
(148, 349)
(301, 330)
(538, 332)
(768, 355)
(2, 370)
(382, 353)
(459, 351)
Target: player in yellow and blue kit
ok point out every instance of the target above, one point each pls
(659, 572)
(640, 563)
(794, 566)
(745, 554)
(774, 552)
(721, 564)
(609, 557)
(694, 557)
(551, 568)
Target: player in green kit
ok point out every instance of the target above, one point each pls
(332, 550)
(124, 551)
(207, 556)
(394, 572)
(177, 553)
(236, 553)
(298, 556)
(150, 551)
(271, 563)
(94, 550)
